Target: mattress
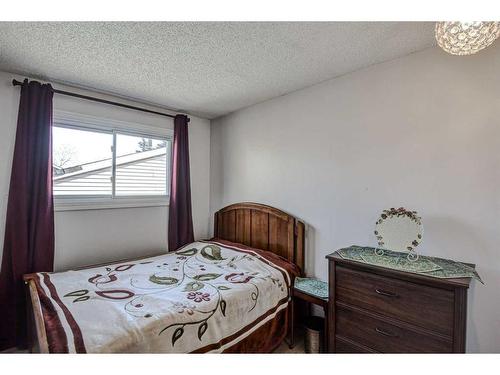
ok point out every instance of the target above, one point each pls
(209, 296)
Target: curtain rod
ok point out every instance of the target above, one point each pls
(94, 99)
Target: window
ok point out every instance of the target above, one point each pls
(100, 163)
(141, 165)
(82, 162)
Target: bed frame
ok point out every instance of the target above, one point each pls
(263, 227)
(251, 224)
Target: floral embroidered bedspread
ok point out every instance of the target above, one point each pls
(206, 296)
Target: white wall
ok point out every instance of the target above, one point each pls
(93, 236)
(421, 132)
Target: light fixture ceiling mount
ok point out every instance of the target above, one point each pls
(466, 38)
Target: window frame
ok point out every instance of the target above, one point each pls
(113, 127)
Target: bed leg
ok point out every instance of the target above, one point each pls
(37, 337)
(291, 324)
(29, 318)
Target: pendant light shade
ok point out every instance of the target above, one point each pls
(466, 38)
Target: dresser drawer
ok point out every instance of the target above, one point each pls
(343, 345)
(421, 305)
(381, 336)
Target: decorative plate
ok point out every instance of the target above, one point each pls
(399, 230)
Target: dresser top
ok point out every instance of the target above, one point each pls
(462, 282)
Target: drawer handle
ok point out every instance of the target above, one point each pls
(385, 333)
(387, 294)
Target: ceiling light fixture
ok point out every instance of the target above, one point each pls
(466, 38)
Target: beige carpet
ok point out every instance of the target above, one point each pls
(282, 349)
(297, 349)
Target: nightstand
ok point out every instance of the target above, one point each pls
(312, 291)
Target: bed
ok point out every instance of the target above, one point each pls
(227, 294)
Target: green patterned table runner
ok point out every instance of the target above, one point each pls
(425, 265)
(314, 287)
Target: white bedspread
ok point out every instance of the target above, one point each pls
(205, 297)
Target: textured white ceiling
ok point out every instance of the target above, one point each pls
(206, 69)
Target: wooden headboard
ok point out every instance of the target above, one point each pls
(263, 227)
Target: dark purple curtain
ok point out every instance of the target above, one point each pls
(180, 219)
(29, 230)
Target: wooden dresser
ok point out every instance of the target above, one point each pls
(379, 310)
